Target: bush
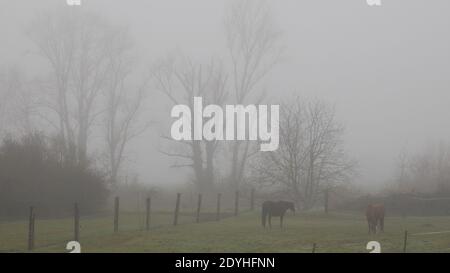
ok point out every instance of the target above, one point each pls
(32, 173)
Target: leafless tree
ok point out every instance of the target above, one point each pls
(427, 171)
(123, 104)
(10, 83)
(402, 171)
(17, 102)
(181, 81)
(310, 157)
(254, 46)
(76, 46)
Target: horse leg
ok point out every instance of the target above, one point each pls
(382, 224)
(281, 221)
(372, 227)
(270, 220)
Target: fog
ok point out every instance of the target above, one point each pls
(385, 69)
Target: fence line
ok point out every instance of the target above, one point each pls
(431, 233)
(199, 204)
(116, 216)
(219, 195)
(147, 213)
(405, 241)
(197, 218)
(76, 223)
(31, 229)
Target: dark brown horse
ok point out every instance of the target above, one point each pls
(270, 208)
(375, 217)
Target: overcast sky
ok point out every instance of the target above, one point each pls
(386, 69)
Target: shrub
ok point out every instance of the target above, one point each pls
(33, 173)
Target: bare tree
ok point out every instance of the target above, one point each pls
(181, 82)
(310, 157)
(123, 105)
(427, 171)
(10, 85)
(402, 170)
(253, 45)
(76, 46)
(17, 103)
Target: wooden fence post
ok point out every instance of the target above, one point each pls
(252, 199)
(31, 229)
(76, 223)
(199, 204)
(405, 240)
(326, 200)
(116, 214)
(236, 204)
(177, 209)
(219, 195)
(148, 208)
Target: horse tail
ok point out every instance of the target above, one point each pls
(263, 216)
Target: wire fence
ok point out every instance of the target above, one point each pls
(44, 232)
(36, 232)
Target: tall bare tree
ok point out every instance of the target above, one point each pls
(76, 46)
(181, 82)
(310, 157)
(253, 43)
(124, 103)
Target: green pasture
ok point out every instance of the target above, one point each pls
(335, 232)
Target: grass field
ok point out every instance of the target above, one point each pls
(336, 232)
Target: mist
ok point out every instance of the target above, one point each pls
(384, 69)
(186, 126)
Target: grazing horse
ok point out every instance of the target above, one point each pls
(270, 208)
(375, 217)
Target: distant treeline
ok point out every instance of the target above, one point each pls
(33, 172)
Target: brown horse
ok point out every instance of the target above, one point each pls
(375, 217)
(270, 208)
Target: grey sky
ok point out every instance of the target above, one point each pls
(385, 68)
